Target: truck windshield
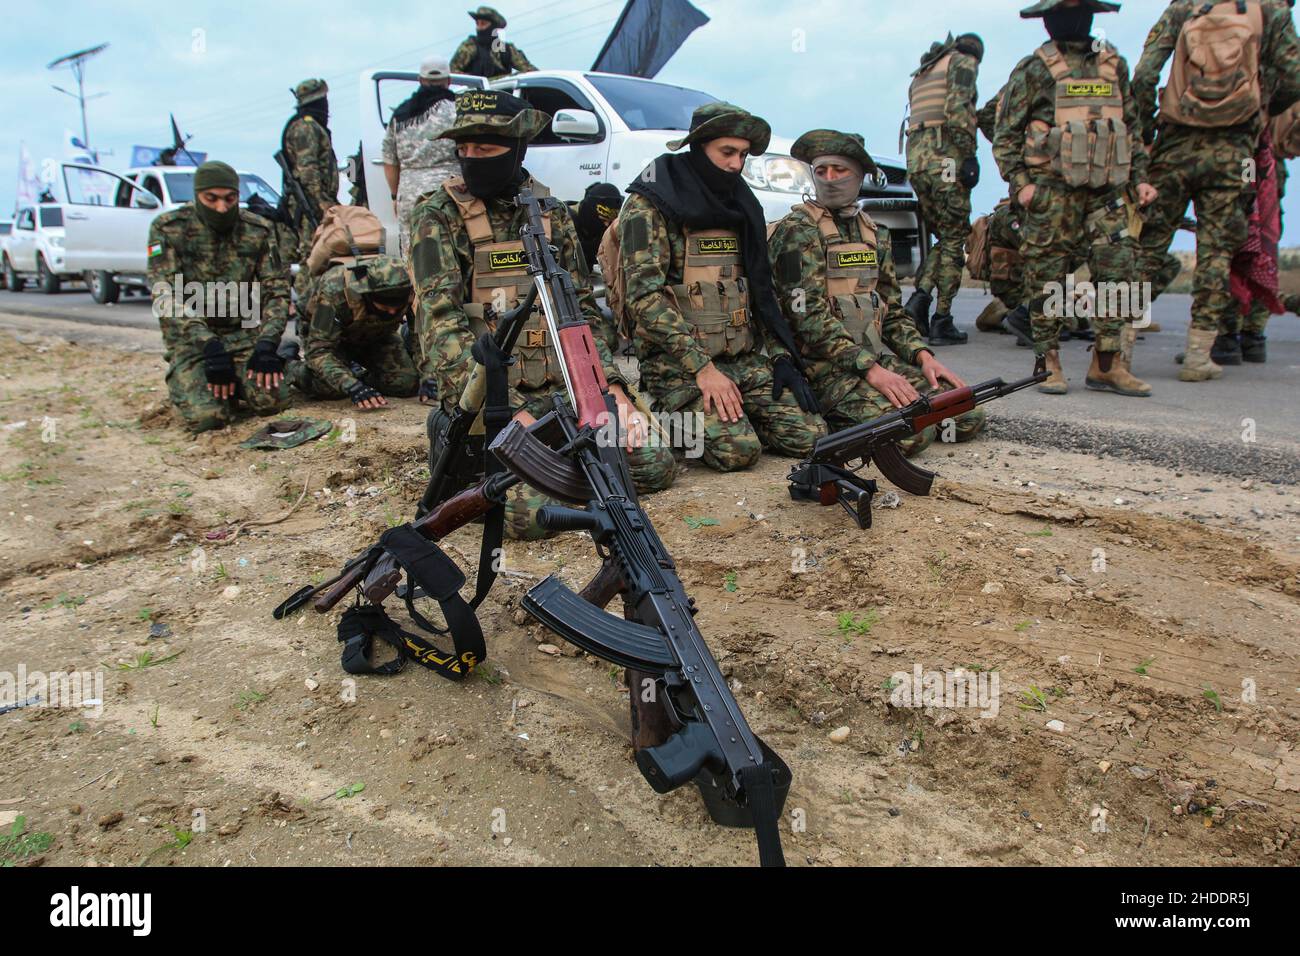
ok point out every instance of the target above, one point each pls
(180, 186)
(644, 104)
(51, 217)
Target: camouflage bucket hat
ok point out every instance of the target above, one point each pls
(490, 15)
(831, 142)
(713, 120)
(287, 433)
(1047, 6)
(492, 113)
(309, 91)
(385, 273)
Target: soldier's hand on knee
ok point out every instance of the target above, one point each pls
(935, 371)
(222, 392)
(265, 367)
(893, 386)
(1147, 194)
(720, 393)
(1026, 195)
(633, 423)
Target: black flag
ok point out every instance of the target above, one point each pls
(647, 35)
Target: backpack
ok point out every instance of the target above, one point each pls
(1215, 78)
(978, 249)
(345, 232)
(609, 257)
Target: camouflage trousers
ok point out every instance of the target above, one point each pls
(199, 409)
(1050, 234)
(859, 402)
(1206, 168)
(945, 211)
(1255, 321)
(777, 424)
(1004, 233)
(388, 364)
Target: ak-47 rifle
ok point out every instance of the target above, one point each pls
(305, 208)
(824, 476)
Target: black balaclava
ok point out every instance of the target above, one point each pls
(216, 175)
(720, 182)
(599, 195)
(318, 110)
(486, 177)
(1069, 23)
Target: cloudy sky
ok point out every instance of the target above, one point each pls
(227, 75)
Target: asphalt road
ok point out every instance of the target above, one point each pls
(1200, 427)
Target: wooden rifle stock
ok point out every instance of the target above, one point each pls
(949, 404)
(343, 584)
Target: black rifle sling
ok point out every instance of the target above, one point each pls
(760, 794)
(358, 628)
(496, 416)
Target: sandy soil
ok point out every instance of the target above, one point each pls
(1148, 617)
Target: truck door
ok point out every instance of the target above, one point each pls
(106, 221)
(22, 243)
(573, 152)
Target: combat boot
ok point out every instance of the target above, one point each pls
(1117, 379)
(944, 332)
(1197, 364)
(1056, 383)
(1018, 322)
(1254, 347)
(1226, 350)
(918, 307)
(990, 320)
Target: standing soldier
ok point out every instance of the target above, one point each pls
(309, 152)
(942, 168)
(1209, 123)
(415, 159)
(467, 262)
(1063, 143)
(220, 350)
(699, 295)
(834, 274)
(353, 346)
(485, 53)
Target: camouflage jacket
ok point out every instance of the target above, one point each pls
(416, 146)
(442, 267)
(649, 268)
(987, 117)
(798, 254)
(310, 152)
(340, 321)
(1030, 94)
(240, 291)
(951, 141)
(1279, 58)
(506, 58)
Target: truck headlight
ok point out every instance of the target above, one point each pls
(56, 242)
(782, 174)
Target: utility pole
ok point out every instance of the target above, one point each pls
(78, 63)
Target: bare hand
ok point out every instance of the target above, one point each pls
(630, 419)
(893, 386)
(265, 380)
(1026, 195)
(222, 392)
(1147, 194)
(523, 418)
(377, 402)
(934, 370)
(719, 392)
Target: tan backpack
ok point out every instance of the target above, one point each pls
(1285, 129)
(978, 249)
(609, 256)
(1215, 80)
(345, 233)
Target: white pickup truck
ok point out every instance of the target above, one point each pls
(109, 214)
(34, 248)
(607, 128)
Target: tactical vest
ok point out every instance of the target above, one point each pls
(852, 271)
(1214, 81)
(927, 99)
(1088, 143)
(499, 282)
(713, 296)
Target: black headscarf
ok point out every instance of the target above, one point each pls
(483, 64)
(1068, 23)
(318, 110)
(691, 190)
(414, 107)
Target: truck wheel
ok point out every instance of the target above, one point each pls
(13, 281)
(103, 287)
(47, 280)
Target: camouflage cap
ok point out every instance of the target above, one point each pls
(381, 274)
(287, 433)
(490, 15)
(713, 120)
(831, 142)
(493, 113)
(309, 91)
(1047, 6)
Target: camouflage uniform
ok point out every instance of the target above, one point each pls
(443, 268)
(1204, 165)
(425, 160)
(310, 154)
(936, 149)
(506, 58)
(345, 331)
(181, 245)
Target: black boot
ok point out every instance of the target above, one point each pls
(1253, 347)
(943, 332)
(1017, 321)
(918, 307)
(1226, 350)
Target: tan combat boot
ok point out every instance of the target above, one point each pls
(1056, 383)
(990, 320)
(1197, 364)
(1118, 380)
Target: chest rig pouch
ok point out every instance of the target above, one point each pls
(713, 296)
(499, 282)
(852, 273)
(1088, 143)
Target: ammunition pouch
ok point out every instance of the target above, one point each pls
(718, 314)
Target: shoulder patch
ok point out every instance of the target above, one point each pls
(636, 235)
(155, 249)
(789, 265)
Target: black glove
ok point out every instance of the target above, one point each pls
(218, 366)
(264, 361)
(361, 392)
(428, 390)
(786, 376)
(969, 175)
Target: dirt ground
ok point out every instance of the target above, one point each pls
(1141, 624)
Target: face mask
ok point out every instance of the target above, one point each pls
(841, 193)
(222, 223)
(1069, 23)
(490, 176)
(718, 180)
